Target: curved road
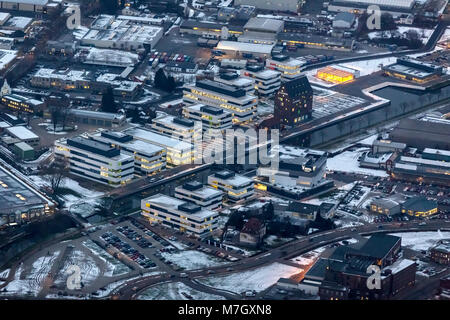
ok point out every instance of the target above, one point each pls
(131, 289)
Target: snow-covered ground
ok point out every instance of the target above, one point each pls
(273, 240)
(421, 240)
(30, 283)
(176, 291)
(348, 162)
(258, 279)
(89, 271)
(192, 259)
(402, 32)
(113, 266)
(367, 67)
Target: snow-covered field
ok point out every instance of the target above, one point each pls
(174, 291)
(113, 266)
(192, 259)
(348, 162)
(258, 279)
(421, 240)
(89, 271)
(30, 283)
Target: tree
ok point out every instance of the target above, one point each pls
(160, 81)
(55, 113)
(108, 103)
(387, 22)
(55, 173)
(171, 85)
(110, 6)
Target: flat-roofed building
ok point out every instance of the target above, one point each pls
(267, 82)
(413, 70)
(335, 75)
(65, 79)
(212, 118)
(20, 103)
(20, 202)
(200, 194)
(177, 152)
(215, 94)
(24, 135)
(178, 128)
(288, 67)
(236, 187)
(235, 80)
(97, 118)
(394, 7)
(243, 49)
(272, 5)
(261, 30)
(293, 102)
(96, 161)
(24, 5)
(419, 207)
(179, 214)
(148, 158)
(208, 29)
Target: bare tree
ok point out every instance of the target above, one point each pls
(55, 172)
(55, 113)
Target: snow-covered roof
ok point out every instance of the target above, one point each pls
(22, 133)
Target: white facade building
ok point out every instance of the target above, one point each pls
(177, 128)
(200, 194)
(235, 187)
(96, 161)
(212, 118)
(211, 93)
(179, 214)
(288, 67)
(267, 82)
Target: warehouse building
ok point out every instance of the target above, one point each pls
(262, 31)
(199, 194)
(245, 50)
(96, 161)
(209, 30)
(316, 42)
(24, 135)
(148, 158)
(395, 7)
(179, 214)
(215, 94)
(272, 5)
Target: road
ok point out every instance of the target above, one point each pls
(131, 289)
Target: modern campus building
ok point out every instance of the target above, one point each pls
(235, 80)
(19, 202)
(177, 152)
(293, 102)
(177, 128)
(288, 67)
(179, 214)
(212, 118)
(267, 82)
(413, 70)
(148, 158)
(96, 161)
(211, 93)
(235, 187)
(199, 194)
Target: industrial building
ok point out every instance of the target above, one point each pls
(199, 194)
(179, 214)
(24, 5)
(266, 81)
(272, 5)
(293, 102)
(148, 158)
(337, 74)
(19, 202)
(261, 31)
(315, 41)
(235, 187)
(108, 32)
(239, 50)
(419, 207)
(96, 161)
(394, 7)
(209, 30)
(211, 93)
(97, 118)
(413, 70)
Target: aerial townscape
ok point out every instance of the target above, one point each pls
(225, 150)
